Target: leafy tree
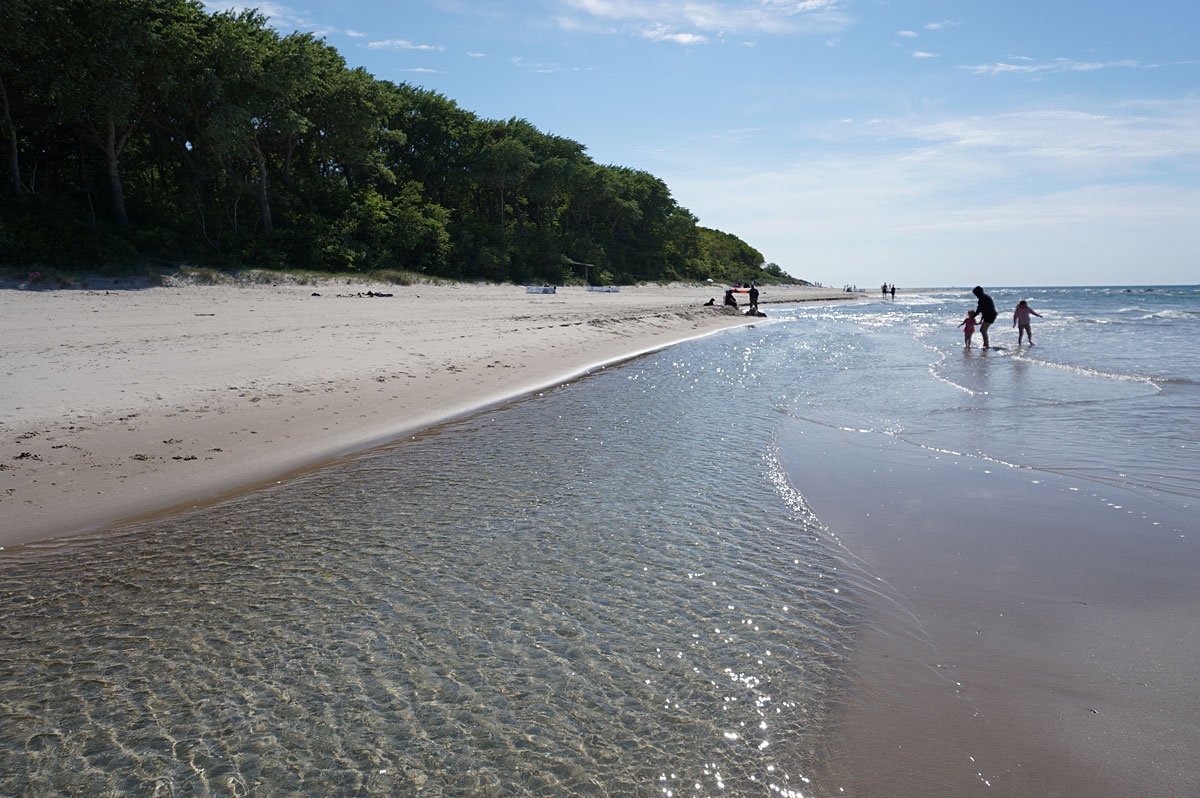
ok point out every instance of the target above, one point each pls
(214, 137)
(116, 58)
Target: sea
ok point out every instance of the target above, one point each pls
(613, 587)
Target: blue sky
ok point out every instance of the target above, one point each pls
(850, 141)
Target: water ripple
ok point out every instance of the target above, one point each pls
(592, 592)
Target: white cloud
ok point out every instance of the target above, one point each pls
(422, 69)
(661, 33)
(402, 44)
(923, 54)
(907, 34)
(800, 6)
(689, 21)
(1057, 65)
(355, 34)
(477, 55)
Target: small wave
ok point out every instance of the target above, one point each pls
(1090, 372)
(1173, 314)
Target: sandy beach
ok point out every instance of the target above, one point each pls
(116, 403)
(1016, 625)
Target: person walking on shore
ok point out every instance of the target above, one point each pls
(987, 312)
(1021, 321)
(753, 299)
(968, 325)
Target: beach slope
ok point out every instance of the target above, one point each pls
(117, 403)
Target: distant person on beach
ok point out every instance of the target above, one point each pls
(753, 298)
(730, 299)
(987, 312)
(883, 289)
(968, 325)
(893, 290)
(1021, 321)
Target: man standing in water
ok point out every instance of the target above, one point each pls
(987, 312)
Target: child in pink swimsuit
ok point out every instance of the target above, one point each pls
(1021, 321)
(968, 325)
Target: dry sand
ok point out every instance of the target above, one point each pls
(116, 403)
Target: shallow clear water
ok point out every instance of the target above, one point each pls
(609, 588)
(597, 590)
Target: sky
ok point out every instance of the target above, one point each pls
(917, 142)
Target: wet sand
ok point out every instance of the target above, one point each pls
(116, 403)
(1027, 633)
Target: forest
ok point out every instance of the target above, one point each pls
(152, 130)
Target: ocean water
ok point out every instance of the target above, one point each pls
(1109, 393)
(614, 587)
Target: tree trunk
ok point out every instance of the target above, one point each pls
(112, 153)
(263, 201)
(13, 151)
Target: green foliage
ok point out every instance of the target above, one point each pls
(156, 129)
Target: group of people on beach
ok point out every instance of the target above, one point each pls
(731, 300)
(985, 309)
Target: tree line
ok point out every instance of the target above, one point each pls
(153, 129)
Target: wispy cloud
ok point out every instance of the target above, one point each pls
(661, 33)
(1035, 189)
(923, 54)
(1028, 67)
(689, 22)
(1118, 142)
(908, 34)
(548, 67)
(401, 44)
(355, 34)
(279, 16)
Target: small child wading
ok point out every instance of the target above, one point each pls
(1021, 321)
(968, 325)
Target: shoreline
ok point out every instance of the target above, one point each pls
(123, 403)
